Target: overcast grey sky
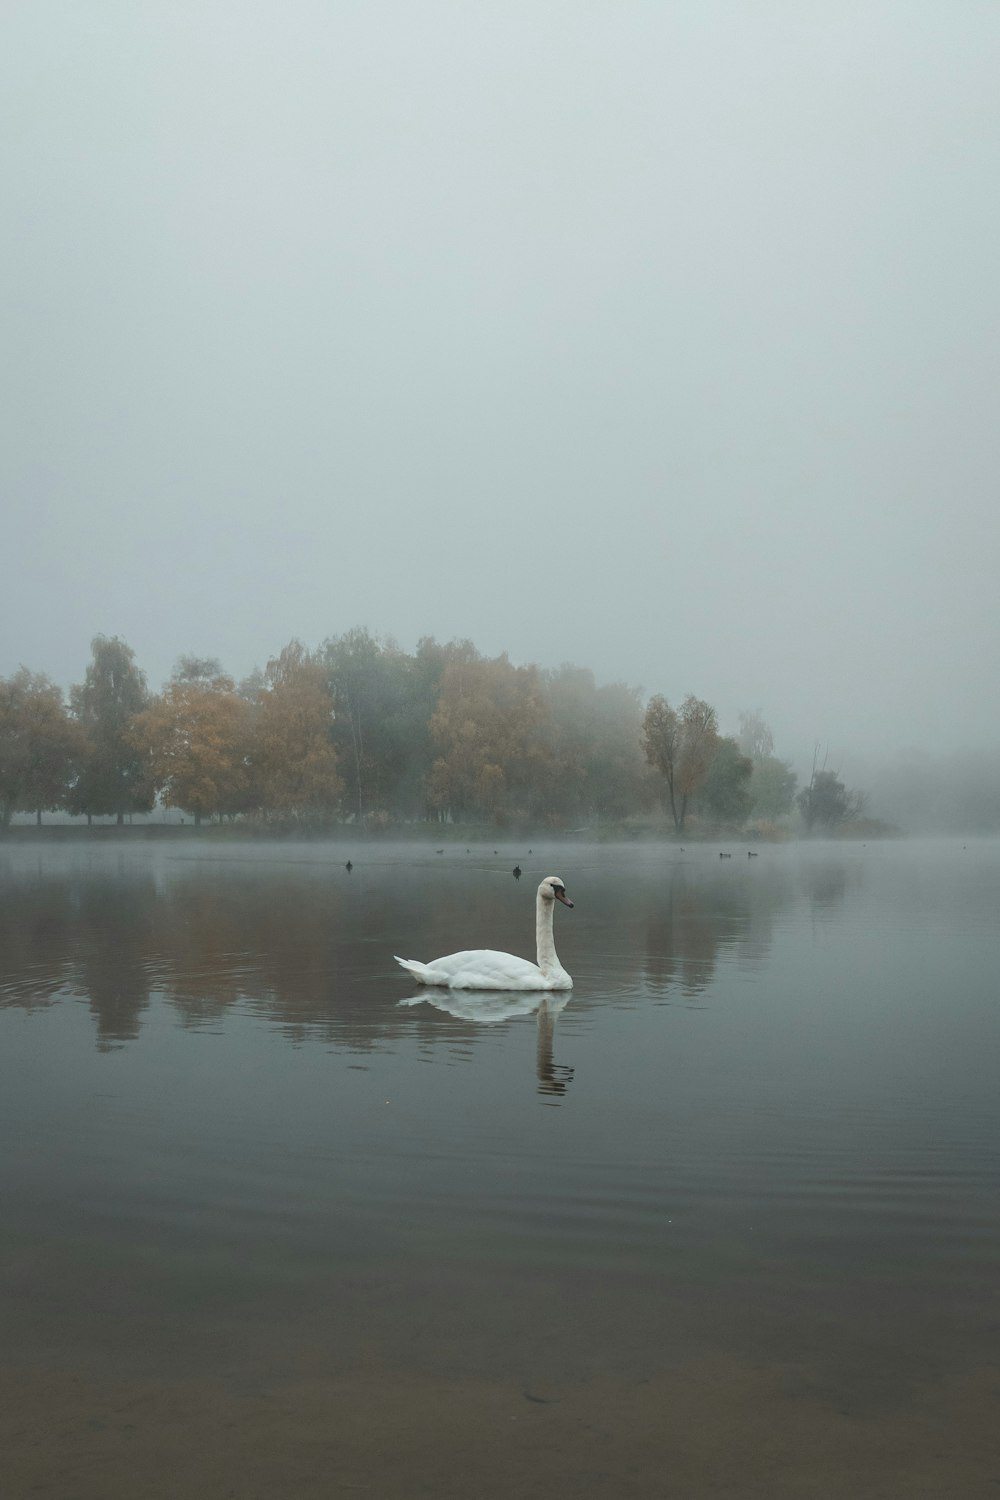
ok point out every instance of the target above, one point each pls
(658, 337)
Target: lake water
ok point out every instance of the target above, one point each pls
(723, 1222)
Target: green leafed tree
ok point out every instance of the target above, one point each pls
(725, 792)
(772, 788)
(40, 745)
(197, 669)
(113, 776)
(826, 802)
(368, 682)
(755, 737)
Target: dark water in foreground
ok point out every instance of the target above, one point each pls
(726, 1224)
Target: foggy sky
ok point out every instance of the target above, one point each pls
(657, 337)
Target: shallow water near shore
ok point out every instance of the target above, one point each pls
(721, 1222)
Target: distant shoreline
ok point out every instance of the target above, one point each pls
(453, 835)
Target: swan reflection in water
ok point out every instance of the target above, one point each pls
(553, 1078)
(490, 1007)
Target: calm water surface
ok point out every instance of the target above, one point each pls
(723, 1223)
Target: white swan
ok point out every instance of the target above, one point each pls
(484, 969)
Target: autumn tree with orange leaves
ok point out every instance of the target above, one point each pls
(682, 746)
(194, 739)
(293, 757)
(486, 727)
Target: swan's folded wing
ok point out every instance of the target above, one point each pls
(485, 969)
(479, 969)
(439, 970)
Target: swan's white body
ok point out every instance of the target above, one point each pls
(485, 969)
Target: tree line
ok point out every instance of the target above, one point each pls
(359, 730)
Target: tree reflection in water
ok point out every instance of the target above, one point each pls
(702, 915)
(111, 954)
(297, 943)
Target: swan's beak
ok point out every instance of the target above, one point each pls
(562, 896)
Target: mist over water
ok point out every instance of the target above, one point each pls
(254, 1178)
(661, 339)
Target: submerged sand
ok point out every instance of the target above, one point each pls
(717, 1427)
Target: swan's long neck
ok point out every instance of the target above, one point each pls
(548, 960)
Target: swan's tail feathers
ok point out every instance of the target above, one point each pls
(418, 970)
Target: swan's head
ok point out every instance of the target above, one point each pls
(552, 889)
